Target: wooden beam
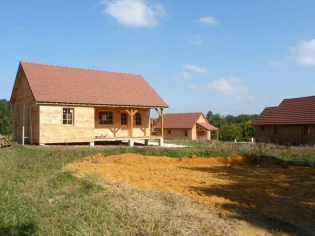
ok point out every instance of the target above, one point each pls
(31, 125)
(23, 128)
(160, 112)
(157, 110)
(131, 113)
(162, 123)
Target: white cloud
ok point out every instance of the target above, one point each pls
(210, 20)
(226, 85)
(196, 42)
(134, 13)
(305, 52)
(197, 69)
(182, 76)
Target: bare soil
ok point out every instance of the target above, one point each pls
(230, 186)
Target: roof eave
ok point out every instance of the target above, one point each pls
(98, 105)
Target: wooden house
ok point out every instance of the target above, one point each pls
(54, 104)
(185, 126)
(290, 123)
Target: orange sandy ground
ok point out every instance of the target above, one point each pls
(287, 192)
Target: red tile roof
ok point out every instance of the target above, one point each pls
(290, 111)
(58, 84)
(207, 126)
(181, 121)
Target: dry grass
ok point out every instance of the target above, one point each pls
(141, 212)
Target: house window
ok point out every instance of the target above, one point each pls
(138, 118)
(186, 133)
(67, 116)
(105, 117)
(169, 131)
(262, 128)
(123, 118)
(275, 129)
(307, 130)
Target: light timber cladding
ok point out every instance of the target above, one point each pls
(52, 129)
(176, 134)
(116, 129)
(24, 113)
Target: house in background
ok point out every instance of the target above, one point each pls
(185, 126)
(292, 122)
(55, 104)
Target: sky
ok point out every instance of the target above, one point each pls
(228, 57)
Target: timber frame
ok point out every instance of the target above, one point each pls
(42, 111)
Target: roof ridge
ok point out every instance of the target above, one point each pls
(311, 96)
(183, 113)
(78, 68)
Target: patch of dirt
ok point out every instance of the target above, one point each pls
(228, 185)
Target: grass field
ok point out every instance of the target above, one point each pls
(37, 196)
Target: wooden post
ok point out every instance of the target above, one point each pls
(131, 123)
(31, 125)
(217, 135)
(23, 128)
(131, 113)
(162, 120)
(208, 135)
(162, 123)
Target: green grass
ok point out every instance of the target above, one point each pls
(37, 197)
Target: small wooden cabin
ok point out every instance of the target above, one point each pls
(54, 104)
(290, 123)
(185, 126)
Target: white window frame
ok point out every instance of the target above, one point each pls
(65, 119)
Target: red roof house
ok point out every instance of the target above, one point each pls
(57, 104)
(190, 126)
(292, 122)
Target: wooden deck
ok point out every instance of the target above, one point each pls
(131, 139)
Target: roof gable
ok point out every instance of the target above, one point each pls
(57, 84)
(290, 111)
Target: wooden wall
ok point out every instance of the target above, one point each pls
(202, 119)
(23, 104)
(176, 134)
(118, 130)
(52, 129)
(287, 134)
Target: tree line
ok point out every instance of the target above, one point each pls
(5, 120)
(232, 127)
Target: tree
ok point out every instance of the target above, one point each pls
(230, 132)
(5, 120)
(233, 127)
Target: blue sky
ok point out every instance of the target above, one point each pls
(223, 56)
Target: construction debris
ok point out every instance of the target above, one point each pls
(4, 142)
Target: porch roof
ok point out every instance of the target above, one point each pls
(208, 126)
